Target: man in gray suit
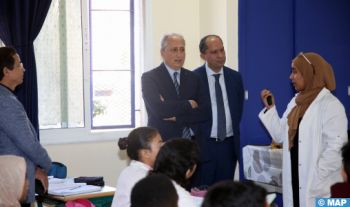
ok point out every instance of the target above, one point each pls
(17, 135)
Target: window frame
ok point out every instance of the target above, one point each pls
(132, 72)
(88, 133)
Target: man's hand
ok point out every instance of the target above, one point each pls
(170, 119)
(193, 104)
(41, 175)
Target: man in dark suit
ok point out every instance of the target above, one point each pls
(219, 137)
(173, 95)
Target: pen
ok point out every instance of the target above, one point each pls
(74, 187)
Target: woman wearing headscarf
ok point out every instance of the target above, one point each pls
(13, 184)
(312, 129)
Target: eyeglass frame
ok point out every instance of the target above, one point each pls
(308, 61)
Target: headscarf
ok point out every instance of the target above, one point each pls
(317, 74)
(12, 180)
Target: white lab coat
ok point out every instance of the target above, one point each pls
(322, 133)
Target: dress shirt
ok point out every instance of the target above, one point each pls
(171, 73)
(211, 82)
(126, 181)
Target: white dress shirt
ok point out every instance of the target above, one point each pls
(211, 82)
(126, 181)
(171, 73)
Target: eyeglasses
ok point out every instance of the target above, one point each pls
(20, 66)
(308, 61)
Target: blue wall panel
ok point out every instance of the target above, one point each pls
(324, 27)
(265, 53)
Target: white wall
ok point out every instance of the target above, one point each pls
(221, 18)
(193, 19)
(90, 159)
(171, 16)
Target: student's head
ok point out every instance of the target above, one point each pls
(11, 67)
(177, 159)
(173, 50)
(212, 51)
(155, 190)
(346, 162)
(310, 71)
(14, 185)
(235, 194)
(142, 144)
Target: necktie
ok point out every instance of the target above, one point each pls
(221, 109)
(176, 84)
(186, 132)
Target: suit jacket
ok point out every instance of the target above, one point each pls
(157, 83)
(18, 137)
(235, 95)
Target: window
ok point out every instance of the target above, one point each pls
(112, 63)
(87, 65)
(59, 59)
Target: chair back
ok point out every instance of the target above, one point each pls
(58, 170)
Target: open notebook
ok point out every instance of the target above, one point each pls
(65, 187)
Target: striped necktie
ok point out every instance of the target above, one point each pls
(176, 84)
(186, 132)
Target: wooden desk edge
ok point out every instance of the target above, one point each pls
(106, 191)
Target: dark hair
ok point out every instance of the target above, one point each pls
(155, 190)
(137, 139)
(203, 43)
(6, 59)
(346, 159)
(175, 157)
(235, 194)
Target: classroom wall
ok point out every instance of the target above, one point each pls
(193, 19)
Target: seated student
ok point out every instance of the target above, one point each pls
(177, 159)
(154, 191)
(342, 190)
(142, 146)
(235, 194)
(13, 183)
